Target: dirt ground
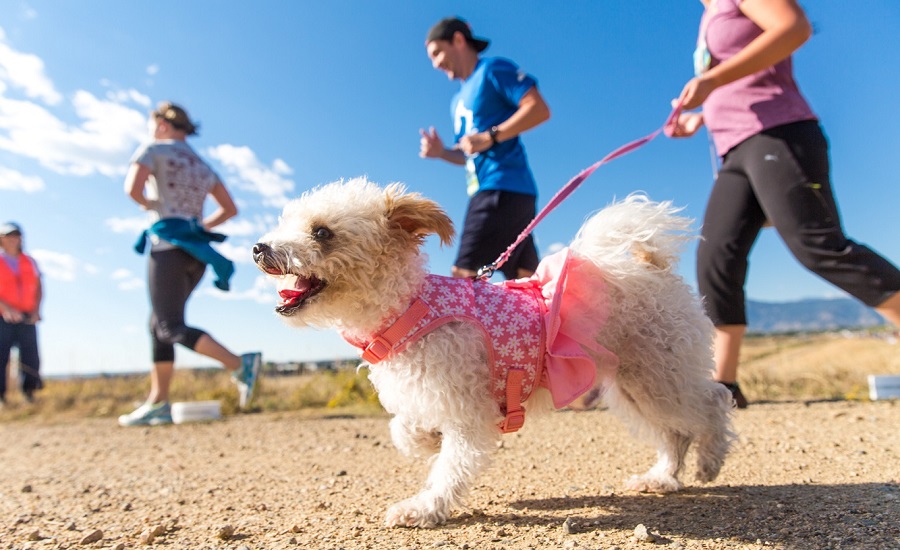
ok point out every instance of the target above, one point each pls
(805, 475)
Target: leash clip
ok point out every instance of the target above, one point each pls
(486, 272)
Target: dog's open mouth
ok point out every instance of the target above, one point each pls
(295, 296)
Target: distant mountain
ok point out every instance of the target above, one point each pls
(810, 315)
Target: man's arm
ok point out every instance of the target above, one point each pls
(431, 146)
(36, 314)
(532, 111)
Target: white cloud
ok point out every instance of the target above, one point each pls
(264, 291)
(152, 69)
(10, 180)
(60, 266)
(26, 72)
(247, 172)
(236, 253)
(252, 228)
(126, 280)
(102, 142)
(132, 95)
(133, 225)
(101, 139)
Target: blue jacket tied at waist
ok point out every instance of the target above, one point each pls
(191, 237)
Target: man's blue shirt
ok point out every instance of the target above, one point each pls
(489, 96)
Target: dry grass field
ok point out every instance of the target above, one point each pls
(827, 366)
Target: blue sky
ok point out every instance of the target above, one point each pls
(291, 94)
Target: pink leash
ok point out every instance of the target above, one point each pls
(561, 195)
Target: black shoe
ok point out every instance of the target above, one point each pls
(29, 396)
(739, 400)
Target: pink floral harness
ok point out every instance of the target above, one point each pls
(536, 330)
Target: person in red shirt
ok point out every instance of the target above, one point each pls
(20, 310)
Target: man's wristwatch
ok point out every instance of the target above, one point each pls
(493, 133)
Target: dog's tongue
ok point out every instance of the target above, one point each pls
(289, 293)
(301, 287)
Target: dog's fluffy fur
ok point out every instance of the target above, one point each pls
(347, 256)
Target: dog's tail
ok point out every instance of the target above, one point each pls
(634, 233)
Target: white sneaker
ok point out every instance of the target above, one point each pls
(246, 377)
(148, 414)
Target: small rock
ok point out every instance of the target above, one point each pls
(569, 526)
(92, 537)
(158, 531)
(225, 532)
(120, 546)
(26, 489)
(146, 537)
(126, 507)
(641, 534)
(36, 535)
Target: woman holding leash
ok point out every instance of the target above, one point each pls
(171, 181)
(775, 169)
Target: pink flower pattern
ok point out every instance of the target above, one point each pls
(511, 318)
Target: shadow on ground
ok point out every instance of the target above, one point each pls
(849, 516)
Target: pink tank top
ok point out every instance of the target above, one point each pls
(749, 105)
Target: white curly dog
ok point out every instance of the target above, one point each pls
(613, 318)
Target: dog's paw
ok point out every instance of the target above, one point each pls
(649, 483)
(708, 470)
(413, 512)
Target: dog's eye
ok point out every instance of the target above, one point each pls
(322, 233)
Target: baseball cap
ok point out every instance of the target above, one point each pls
(10, 227)
(447, 27)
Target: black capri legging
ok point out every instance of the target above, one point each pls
(171, 275)
(781, 175)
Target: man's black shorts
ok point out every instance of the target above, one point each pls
(494, 220)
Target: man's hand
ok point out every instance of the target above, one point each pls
(475, 143)
(431, 145)
(11, 314)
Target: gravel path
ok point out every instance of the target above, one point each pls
(806, 475)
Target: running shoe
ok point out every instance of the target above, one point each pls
(740, 401)
(148, 414)
(246, 377)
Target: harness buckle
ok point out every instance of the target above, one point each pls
(513, 422)
(377, 350)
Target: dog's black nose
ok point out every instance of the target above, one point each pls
(259, 249)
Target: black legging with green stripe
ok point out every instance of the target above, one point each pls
(781, 175)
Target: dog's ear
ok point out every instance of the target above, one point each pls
(417, 215)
